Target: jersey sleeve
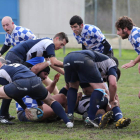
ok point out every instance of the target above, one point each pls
(97, 34)
(3, 81)
(136, 43)
(50, 50)
(112, 71)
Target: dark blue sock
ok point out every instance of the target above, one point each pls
(5, 107)
(117, 114)
(63, 91)
(95, 101)
(98, 118)
(71, 99)
(58, 110)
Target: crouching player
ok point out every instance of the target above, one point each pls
(113, 106)
(24, 82)
(48, 113)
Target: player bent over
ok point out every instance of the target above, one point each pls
(80, 67)
(24, 82)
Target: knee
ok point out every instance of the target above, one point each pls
(49, 100)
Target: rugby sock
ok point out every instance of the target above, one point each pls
(71, 99)
(98, 118)
(95, 101)
(58, 110)
(5, 107)
(63, 91)
(117, 114)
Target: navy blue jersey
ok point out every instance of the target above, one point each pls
(104, 63)
(12, 72)
(34, 48)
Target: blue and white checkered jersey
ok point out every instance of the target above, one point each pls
(91, 37)
(134, 39)
(29, 103)
(18, 35)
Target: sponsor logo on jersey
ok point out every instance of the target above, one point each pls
(78, 61)
(68, 64)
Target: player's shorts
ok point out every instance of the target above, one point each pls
(80, 67)
(30, 86)
(13, 58)
(84, 103)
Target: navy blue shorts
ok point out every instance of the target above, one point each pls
(13, 58)
(30, 86)
(80, 67)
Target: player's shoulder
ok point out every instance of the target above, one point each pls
(89, 27)
(135, 34)
(47, 40)
(21, 29)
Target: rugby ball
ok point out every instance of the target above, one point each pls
(37, 114)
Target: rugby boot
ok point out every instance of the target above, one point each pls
(123, 122)
(70, 117)
(105, 119)
(90, 123)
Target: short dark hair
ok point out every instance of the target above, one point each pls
(76, 19)
(62, 36)
(124, 22)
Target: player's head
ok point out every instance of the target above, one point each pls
(124, 25)
(76, 24)
(60, 40)
(7, 24)
(44, 73)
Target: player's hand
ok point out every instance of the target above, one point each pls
(128, 65)
(28, 114)
(56, 77)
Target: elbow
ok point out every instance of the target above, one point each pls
(34, 70)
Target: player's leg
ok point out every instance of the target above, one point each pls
(57, 108)
(4, 111)
(118, 116)
(4, 96)
(48, 112)
(71, 77)
(47, 82)
(95, 103)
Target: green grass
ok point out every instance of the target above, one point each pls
(128, 88)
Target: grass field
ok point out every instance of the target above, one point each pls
(128, 88)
